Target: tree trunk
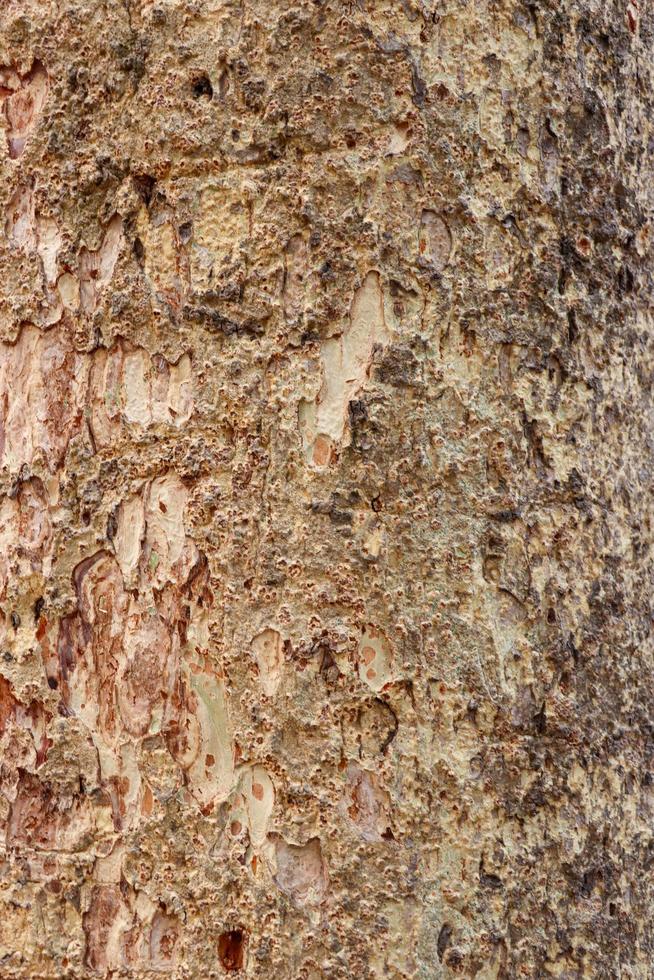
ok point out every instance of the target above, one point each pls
(326, 462)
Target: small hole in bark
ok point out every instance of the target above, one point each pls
(572, 326)
(444, 938)
(86, 518)
(185, 232)
(144, 185)
(551, 615)
(139, 251)
(53, 683)
(112, 526)
(231, 949)
(202, 88)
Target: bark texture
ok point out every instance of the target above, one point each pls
(326, 434)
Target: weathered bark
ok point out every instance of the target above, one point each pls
(326, 455)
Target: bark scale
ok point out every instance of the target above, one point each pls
(326, 457)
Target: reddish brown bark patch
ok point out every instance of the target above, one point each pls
(231, 949)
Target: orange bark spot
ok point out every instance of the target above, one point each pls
(321, 450)
(368, 655)
(148, 802)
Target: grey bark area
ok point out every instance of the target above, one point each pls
(326, 365)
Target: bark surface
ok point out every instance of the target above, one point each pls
(326, 432)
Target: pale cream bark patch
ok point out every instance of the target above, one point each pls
(434, 240)
(49, 391)
(25, 533)
(48, 243)
(301, 871)
(124, 928)
(398, 139)
(220, 228)
(375, 658)
(164, 941)
(259, 797)
(68, 289)
(211, 773)
(96, 267)
(128, 539)
(24, 97)
(131, 386)
(123, 668)
(33, 232)
(345, 362)
(42, 391)
(163, 262)
(268, 649)
(20, 217)
(106, 924)
(168, 555)
(367, 804)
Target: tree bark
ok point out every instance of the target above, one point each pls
(326, 441)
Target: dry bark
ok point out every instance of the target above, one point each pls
(326, 363)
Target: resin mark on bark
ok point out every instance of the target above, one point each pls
(24, 97)
(345, 362)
